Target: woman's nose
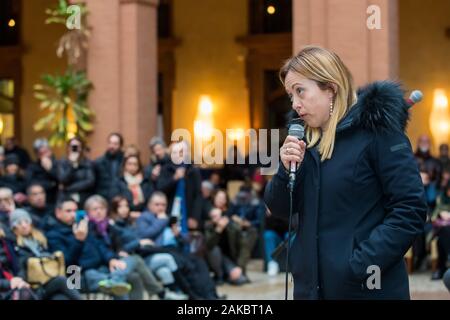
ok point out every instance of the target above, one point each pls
(296, 106)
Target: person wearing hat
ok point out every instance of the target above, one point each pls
(30, 242)
(13, 178)
(12, 147)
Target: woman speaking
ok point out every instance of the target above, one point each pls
(357, 191)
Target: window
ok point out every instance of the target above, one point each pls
(164, 19)
(9, 22)
(270, 16)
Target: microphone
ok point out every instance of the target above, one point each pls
(298, 131)
(415, 97)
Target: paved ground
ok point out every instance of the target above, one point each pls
(264, 287)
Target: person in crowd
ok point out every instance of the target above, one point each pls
(246, 210)
(40, 212)
(75, 237)
(159, 157)
(76, 173)
(37, 201)
(426, 161)
(44, 170)
(216, 179)
(12, 287)
(207, 202)
(7, 205)
(154, 224)
(30, 242)
(131, 150)
(224, 244)
(441, 225)
(2, 159)
(222, 201)
(419, 245)
(97, 209)
(13, 178)
(235, 167)
(11, 147)
(431, 189)
(126, 239)
(108, 167)
(447, 279)
(181, 182)
(275, 232)
(444, 158)
(133, 184)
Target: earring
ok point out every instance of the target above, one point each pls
(331, 107)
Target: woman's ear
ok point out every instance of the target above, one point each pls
(333, 89)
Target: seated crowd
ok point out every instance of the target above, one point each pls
(166, 230)
(434, 244)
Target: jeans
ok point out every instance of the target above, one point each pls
(271, 241)
(163, 265)
(56, 289)
(94, 276)
(220, 264)
(142, 278)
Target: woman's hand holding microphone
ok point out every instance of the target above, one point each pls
(292, 150)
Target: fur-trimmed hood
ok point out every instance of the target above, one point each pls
(380, 107)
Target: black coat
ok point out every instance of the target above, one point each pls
(107, 171)
(48, 179)
(168, 185)
(80, 180)
(120, 187)
(365, 206)
(16, 183)
(61, 238)
(22, 154)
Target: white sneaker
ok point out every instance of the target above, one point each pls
(272, 268)
(170, 295)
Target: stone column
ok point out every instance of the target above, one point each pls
(122, 64)
(341, 25)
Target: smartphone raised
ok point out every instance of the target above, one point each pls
(80, 215)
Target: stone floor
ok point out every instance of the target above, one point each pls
(263, 287)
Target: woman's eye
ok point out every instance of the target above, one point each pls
(299, 90)
(291, 98)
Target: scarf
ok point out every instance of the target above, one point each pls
(101, 227)
(134, 185)
(33, 245)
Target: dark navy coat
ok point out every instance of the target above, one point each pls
(363, 207)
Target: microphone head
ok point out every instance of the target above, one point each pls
(416, 96)
(296, 130)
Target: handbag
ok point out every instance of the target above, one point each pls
(40, 270)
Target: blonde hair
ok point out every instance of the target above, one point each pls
(36, 235)
(326, 69)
